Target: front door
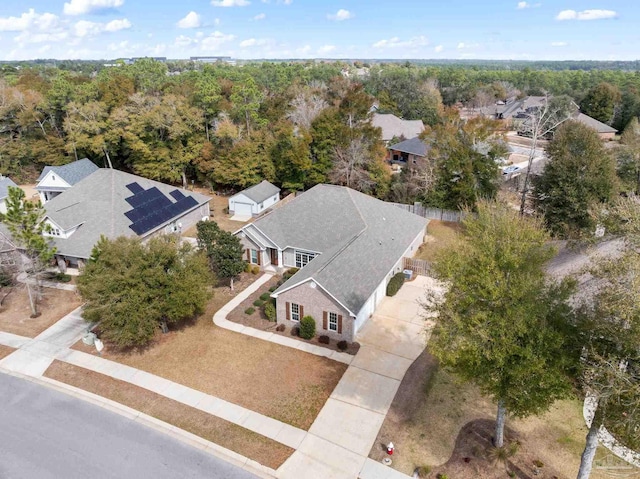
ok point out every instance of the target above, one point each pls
(274, 257)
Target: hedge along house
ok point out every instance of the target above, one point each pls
(255, 200)
(347, 245)
(113, 203)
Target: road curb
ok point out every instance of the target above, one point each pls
(181, 435)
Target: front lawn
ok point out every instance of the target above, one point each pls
(432, 407)
(284, 383)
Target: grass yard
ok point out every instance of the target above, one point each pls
(217, 205)
(440, 234)
(5, 351)
(15, 310)
(228, 435)
(283, 383)
(432, 407)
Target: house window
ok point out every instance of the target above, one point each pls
(333, 322)
(295, 312)
(53, 177)
(302, 259)
(261, 205)
(254, 256)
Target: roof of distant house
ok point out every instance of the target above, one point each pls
(261, 192)
(593, 123)
(414, 146)
(359, 238)
(73, 172)
(392, 126)
(5, 183)
(98, 205)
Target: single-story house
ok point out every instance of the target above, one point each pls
(5, 183)
(254, 200)
(605, 131)
(408, 152)
(347, 245)
(55, 180)
(113, 203)
(394, 127)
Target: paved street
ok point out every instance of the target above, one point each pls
(46, 434)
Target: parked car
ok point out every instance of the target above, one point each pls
(510, 169)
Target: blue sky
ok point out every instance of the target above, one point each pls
(493, 29)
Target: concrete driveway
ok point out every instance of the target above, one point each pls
(344, 432)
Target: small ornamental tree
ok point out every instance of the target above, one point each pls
(307, 327)
(134, 289)
(24, 220)
(223, 249)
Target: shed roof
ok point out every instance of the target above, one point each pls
(414, 146)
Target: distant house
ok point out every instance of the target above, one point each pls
(347, 245)
(394, 127)
(5, 183)
(605, 131)
(408, 152)
(113, 203)
(57, 179)
(255, 200)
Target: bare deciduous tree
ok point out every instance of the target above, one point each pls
(306, 107)
(350, 165)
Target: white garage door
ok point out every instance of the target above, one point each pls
(242, 209)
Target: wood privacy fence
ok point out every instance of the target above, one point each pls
(418, 266)
(432, 213)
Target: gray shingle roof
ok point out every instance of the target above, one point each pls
(5, 183)
(73, 172)
(98, 204)
(392, 126)
(261, 192)
(361, 238)
(593, 123)
(414, 146)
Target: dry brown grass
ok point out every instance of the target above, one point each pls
(15, 311)
(440, 234)
(5, 351)
(283, 383)
(217, 205)
(431, 408)
(231, 436)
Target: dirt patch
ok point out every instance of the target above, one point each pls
(440, 235)
(15, 311)
(286, 384)
(217, 207)
(432, 406)
(228, 435)
(5, 351)
(258, 320)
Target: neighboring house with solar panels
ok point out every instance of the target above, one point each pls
(347, 245)
(113, 203)
(254, 200)
(57, 179)
(5, 183)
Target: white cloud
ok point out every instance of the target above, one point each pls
(523, 5)
(252, 42)
(191, 20)
(395, 42)
(586, 15)
(463, 46)
(184, 41)
(559, 44)
(32, 37)
(80, 7)
(340, 15)
(29, 20)
(85, 28)
(215, 40)
(230, 3)
(326, 49)
(438, 48)
(260, 16)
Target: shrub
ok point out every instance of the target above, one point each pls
(442, 476)
(342, 345)
(288, 273)
(395, 284)
(249, 311)
(255, 269)
(247, 268)
(324, 339)
(225, 210)
(280, 327)
(307, 327)
(270, 311)
(272, 289)
(538, 463)
(423, 471)
(62, 278)
(295, 331)
(265, 296)
(258, 303)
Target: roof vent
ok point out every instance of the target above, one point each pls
(312, 284)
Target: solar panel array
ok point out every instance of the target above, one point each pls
(151, 207)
